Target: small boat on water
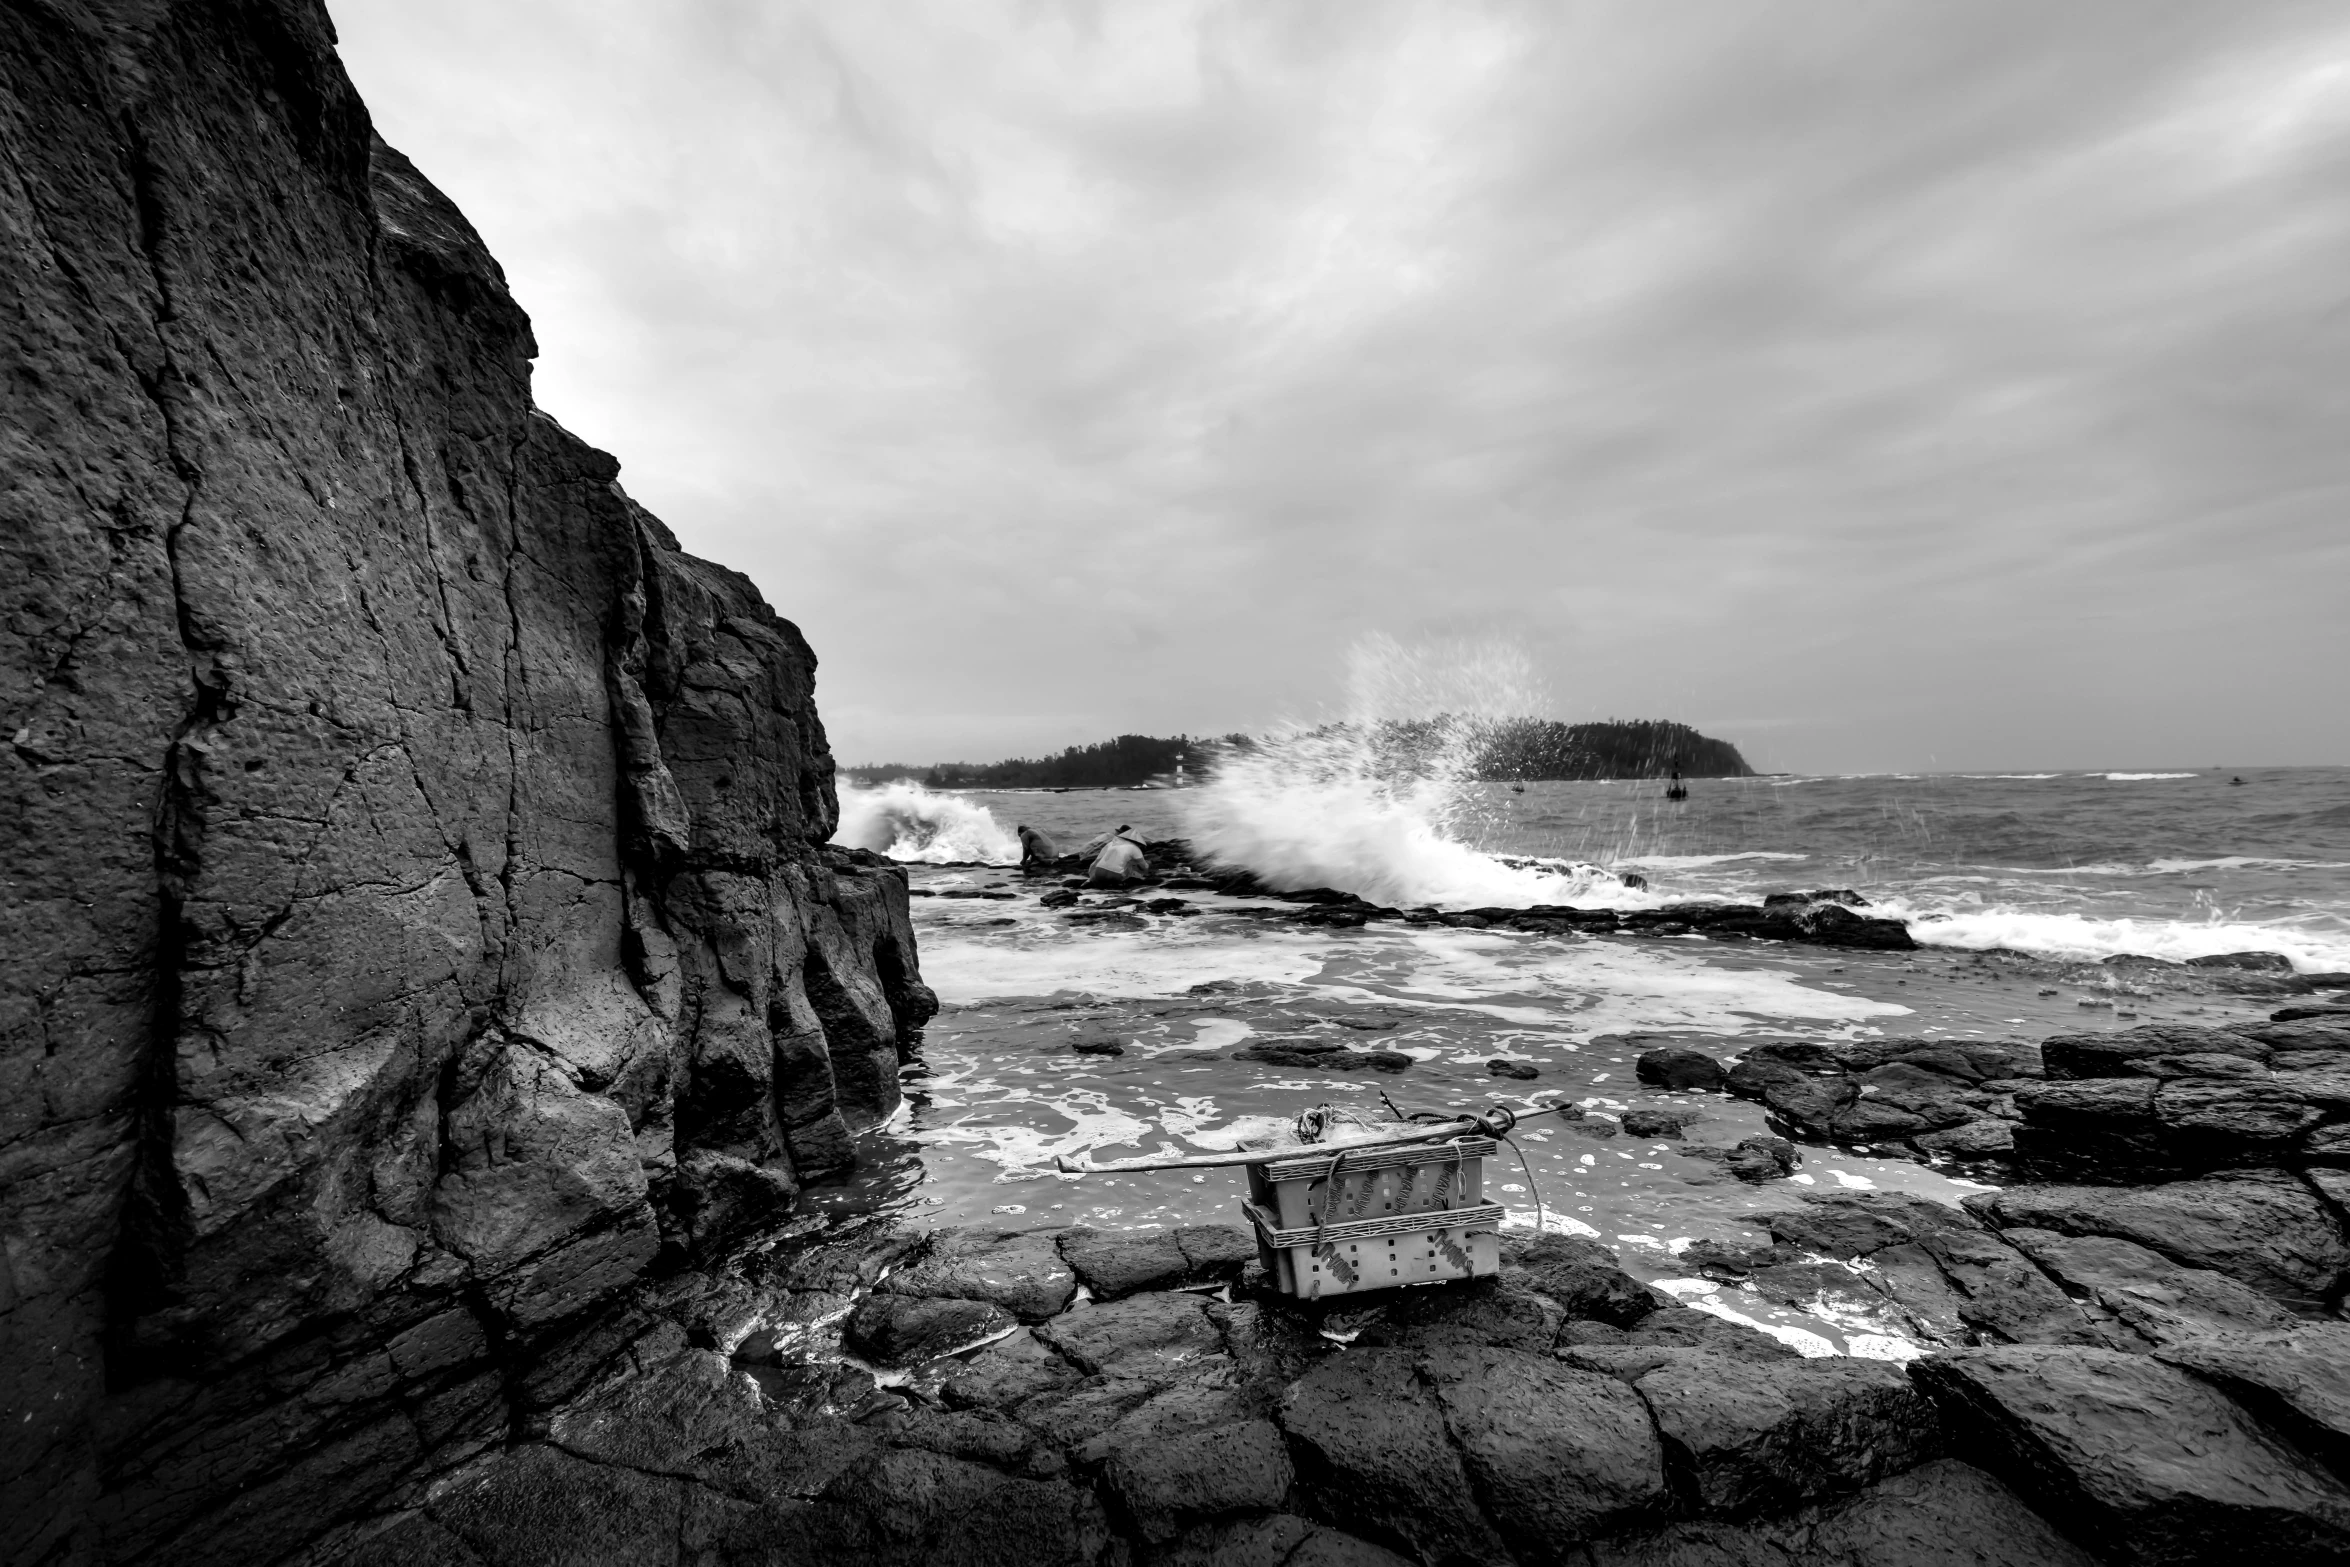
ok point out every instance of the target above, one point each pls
(1677, 790)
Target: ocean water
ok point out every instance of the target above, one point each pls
(2018, 885)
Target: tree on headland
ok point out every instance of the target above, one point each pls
(1511, 749)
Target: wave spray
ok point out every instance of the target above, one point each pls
(1382, 802)
(907, 822)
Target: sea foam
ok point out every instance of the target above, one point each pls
(908, 822)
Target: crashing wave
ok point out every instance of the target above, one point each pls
(905, 821)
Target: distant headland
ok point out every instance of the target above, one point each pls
(1513, 750)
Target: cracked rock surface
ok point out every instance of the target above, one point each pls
(417, 920)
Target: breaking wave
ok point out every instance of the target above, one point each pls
(1379, 803)
(907, 822)
(2067, 935)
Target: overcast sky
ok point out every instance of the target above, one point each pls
(1887, 386)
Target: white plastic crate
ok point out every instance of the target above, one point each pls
(1334, 1223)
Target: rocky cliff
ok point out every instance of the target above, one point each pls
(417, 925)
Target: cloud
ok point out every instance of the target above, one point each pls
(1952, 381)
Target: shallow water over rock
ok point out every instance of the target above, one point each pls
(1105, 1030)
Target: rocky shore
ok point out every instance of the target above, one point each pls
(2124, 1375)
(419, 924)
(428, 989)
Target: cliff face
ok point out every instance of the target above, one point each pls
(416, 919)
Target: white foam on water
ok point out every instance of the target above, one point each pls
(2070, 935)
(2143, 777)
(1691, 862)
(905, 821)
(1046, 960)
(2243, 862)
(1553, 1223)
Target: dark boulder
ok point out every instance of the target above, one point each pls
(1684, 1327)
(1758, 1159)
(1522, 1071)
(1941, 1514)
(1166, 1483)
(2126, 1052)
(2153, 1463)
(2297, 1378)
(1279, 1540)
(1655, 1123)
(903, 1330)
(1021, 1272)
(1582, 1276)
(2245, 962)
(1556, 1454)
(1371, 1447)
(2267, 1230)
(1680, 1070)
(1145, 1338)
(1112, 1265)
(1746, 1436)
(2143, 1298)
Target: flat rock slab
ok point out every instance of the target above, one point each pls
(1557, 1454)
(2147, 1298)
(1148, 1336)
(2267, 1231)
(1371, 1447)
(1942, 1514)
(1021, 1272)
(1281, 1540)
(905, 1330)
(1582, 1276)
(1747, 1437)
(1166, 1483)
(2120, 1448)
(1114, 1265)
(2297, 1379)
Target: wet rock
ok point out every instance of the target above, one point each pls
(1168, 1483)
(1680, 1070)
(1216, 1251)
(904, 1330)
(1145, 1337)
(1006, 1372)
(1021, 1272)
(1656, 1123)
(912, 1508)
(2140, 1456)
(2265, 1230)
(1582, 1276)
(1747, 1436)
(1371, 1447)
(1521, 1070)
(1281, 1540)
(1323, 1055)
(1099, 1047)
(2245, 962)
(2124, 1053)
(1490, 1312)
(1556, 1454)
(1113, 1265)
(1758, 1159)
(2321, 1011)
(1857, 1224)
(2147, 1298)
(1941, 1514)
(1975, 1140)
(2296, 1378)
(508, 1508)
(2003, 1296)
(1683, 1327)
(1802, 1083)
